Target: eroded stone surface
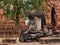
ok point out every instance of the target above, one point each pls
(56, 5)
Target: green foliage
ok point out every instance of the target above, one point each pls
(8, 11)
(34, 4)
(11, 8)
(37, 4)
(1, 4)
(17, 7)
(28, 5)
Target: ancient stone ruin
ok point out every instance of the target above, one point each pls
(53, 13)
(8, 27)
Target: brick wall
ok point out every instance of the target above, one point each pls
(49, 5)
(8, 28)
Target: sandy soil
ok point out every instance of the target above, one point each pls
(34, 43)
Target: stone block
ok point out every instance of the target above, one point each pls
(57, 8)
(57, 11)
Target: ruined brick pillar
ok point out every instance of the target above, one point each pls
(49, 5)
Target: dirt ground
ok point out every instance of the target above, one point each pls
(34, 43)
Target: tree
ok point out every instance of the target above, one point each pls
(36, 5)
(18, 7)
(12, 8)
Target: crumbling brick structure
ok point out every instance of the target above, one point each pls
(53, 13)
(7, 26)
